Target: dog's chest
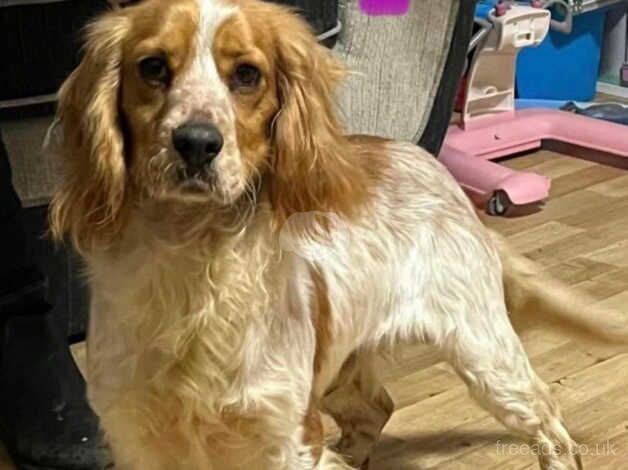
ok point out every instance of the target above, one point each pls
(182, 351)
(156, 314)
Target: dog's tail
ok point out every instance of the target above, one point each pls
(534, 298)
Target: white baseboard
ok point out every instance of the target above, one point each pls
(614, 90)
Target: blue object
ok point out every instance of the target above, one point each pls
(483, 8)
(524, 103)
(563, 66)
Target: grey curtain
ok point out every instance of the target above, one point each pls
(397, 64)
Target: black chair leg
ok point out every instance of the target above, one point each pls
(434, 133)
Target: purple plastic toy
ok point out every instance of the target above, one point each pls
(385, 7)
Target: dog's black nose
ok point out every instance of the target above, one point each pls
(198, 143)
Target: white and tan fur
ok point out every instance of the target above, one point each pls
(222, 321)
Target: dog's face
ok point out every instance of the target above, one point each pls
(198, 94)
(196, 102)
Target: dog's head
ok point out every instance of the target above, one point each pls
(196, 102)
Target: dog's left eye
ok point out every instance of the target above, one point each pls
(245, 76)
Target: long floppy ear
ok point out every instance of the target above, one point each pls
(312, 162)
(88, 205)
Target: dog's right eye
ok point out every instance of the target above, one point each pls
(155, 70)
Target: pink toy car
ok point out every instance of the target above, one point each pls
(491, 128)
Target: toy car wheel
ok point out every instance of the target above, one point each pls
(499, 203)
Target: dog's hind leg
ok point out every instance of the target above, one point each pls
(361, 407)
(489, 357)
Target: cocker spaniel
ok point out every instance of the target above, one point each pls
(246, 259)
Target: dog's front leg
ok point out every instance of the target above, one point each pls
(361, 407)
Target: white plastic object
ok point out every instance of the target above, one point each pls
(491, 81)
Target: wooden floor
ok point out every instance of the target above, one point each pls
(581, 236)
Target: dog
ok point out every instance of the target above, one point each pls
(247, 259)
